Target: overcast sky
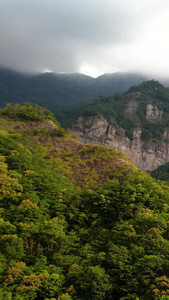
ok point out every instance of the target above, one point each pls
(87, 36)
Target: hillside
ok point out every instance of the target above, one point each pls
(128, 110)
(77, 221)
(57, 91)
(161, 173)
(136, 122)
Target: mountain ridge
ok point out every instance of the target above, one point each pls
(56, 91)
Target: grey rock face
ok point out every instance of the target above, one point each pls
(145, 155)
(153, 113)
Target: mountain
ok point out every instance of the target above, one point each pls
(78, 221)
(58, 91)
(146, 136)
(135, 122)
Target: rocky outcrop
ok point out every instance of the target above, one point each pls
(91, 130)
(131, 108)
(145, 155)
(153, 113)
(132, 105)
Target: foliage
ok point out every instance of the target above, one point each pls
(119, 112)
(161, 173)
(27, 112)
(58, 91)
(78, 222)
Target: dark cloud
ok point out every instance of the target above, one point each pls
(63, 35)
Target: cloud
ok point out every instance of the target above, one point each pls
(87, 36)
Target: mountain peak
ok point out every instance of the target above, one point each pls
(151, 87)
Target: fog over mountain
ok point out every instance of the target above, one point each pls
(90, 37)
(56, 91)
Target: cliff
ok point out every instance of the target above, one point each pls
(136, 123)
(146, 155)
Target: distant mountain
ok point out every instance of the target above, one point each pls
(57, 91)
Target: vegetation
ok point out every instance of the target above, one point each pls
(65, 91)
(128, 111)
(77, 221)
(29, 112)
(161, 173)
(58, 91)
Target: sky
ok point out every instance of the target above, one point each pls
(92, 37)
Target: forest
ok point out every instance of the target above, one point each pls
(78, 222)
(57, 91)
(113, 108)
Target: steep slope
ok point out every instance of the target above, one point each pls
(135, 122)
(77, 221)
(84, 165)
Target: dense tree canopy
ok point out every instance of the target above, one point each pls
(77, 221)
